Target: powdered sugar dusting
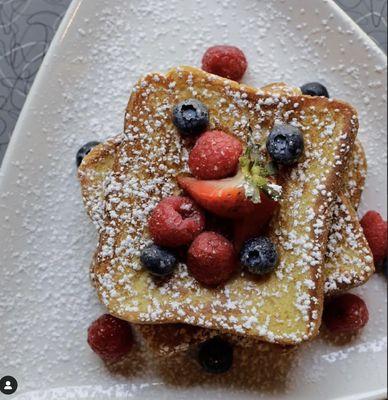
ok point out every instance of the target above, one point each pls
(48, 242)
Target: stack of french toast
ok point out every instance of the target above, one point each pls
(287, 228)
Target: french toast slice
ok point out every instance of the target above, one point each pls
(166, 339)
(283, 308)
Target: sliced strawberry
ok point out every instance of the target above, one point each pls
(225, 197)
(254, 224)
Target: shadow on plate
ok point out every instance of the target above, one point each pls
(253, 369)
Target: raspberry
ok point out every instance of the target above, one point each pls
(211, 259)
(215, 155)
(346, 313)
(226, 61)
(375, 230)
(175, 222)
(111, 338)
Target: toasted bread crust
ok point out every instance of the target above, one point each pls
(167, 340)
(349, 260)
(111, 270)
(347, 246)
(355, 175)
(92, 172)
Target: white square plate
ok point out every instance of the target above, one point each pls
(102, 47)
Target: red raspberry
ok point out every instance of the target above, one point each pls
(211, 259)
(226, 61)
(375, 230)
(346, 313)
(175, 221)
(215, 155)
(111, 338)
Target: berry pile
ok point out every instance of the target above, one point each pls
(221, 174)
(228, 182)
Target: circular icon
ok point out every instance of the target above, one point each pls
(8, 385)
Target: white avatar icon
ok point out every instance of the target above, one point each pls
(7, 385)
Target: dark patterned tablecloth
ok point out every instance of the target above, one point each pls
(28, 26)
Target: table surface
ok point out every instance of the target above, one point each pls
(28, 26)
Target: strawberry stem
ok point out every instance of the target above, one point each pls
(256, 170)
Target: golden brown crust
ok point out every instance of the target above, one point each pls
(92, 172)
(355, 175)
(169, 339)
(340, 126)
(281, 89)
(349, 260)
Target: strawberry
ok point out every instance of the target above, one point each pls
(226, 197)
(251, 226)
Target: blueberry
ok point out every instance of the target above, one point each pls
(84, 150)
(215, 355)
(157, 260)
(285, 144)
(314, 89)
(259, 255)
(191, 117)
